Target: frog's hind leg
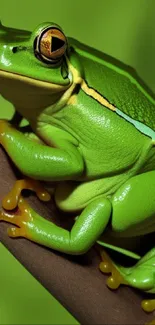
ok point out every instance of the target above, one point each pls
(133, 215)
(140, 276)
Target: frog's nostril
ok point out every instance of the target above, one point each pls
(14, 49)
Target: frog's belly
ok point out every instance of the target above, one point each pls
(74, 196)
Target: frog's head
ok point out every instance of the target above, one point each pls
(38, 61)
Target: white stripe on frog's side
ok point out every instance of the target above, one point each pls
(140, 126)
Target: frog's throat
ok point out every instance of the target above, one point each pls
(77, 79)
(31, 81)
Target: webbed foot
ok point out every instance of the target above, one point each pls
(10, 201)
(23, 219)
(107, 266)
(148, 305)
(141, 276)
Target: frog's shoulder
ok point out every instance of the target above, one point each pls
(114, 64)
(120, 83)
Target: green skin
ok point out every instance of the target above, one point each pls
(103, 160)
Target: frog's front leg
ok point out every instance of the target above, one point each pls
(43, 162)
(87, 228)
(39, 161)
(10, 201)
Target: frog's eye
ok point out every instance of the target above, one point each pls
(50, 45)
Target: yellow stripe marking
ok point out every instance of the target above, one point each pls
(93, 93)
(72, 100)
(77, 79)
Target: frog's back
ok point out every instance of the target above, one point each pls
(120, 85)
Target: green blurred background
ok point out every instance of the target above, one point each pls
(121, 28)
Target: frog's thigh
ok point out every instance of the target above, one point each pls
(72, 196)
(134, 205)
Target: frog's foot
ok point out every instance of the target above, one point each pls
(10, 201)
(23, 219)
(107, 266)
(148, 305)
(140, 276)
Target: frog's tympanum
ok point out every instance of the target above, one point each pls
(92, 132)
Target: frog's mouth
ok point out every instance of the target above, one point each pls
(44, 77)
(30, 93)
(11, 77)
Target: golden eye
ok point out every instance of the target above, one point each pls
(50, 45)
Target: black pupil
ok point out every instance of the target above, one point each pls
(56, 44)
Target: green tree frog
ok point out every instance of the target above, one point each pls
(93, 133)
